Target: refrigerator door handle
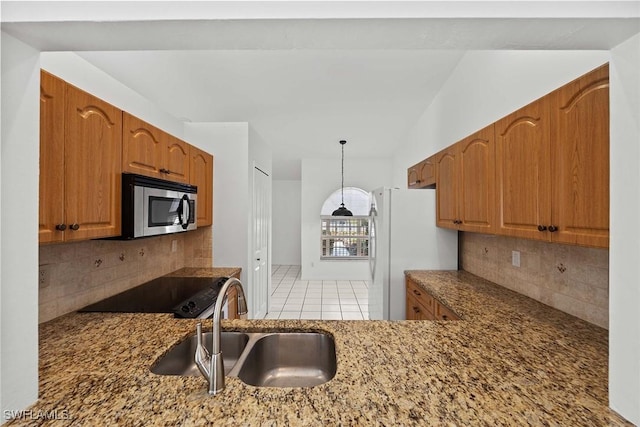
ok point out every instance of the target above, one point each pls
(372, 242)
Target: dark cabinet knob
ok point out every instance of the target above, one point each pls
(542, 227)
(553, 228)
(61, 227)
(444, 317)
(74, 226)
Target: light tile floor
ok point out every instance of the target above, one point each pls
(292, 298)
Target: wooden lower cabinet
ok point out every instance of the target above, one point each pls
(423, 306)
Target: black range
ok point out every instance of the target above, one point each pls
(185, 297)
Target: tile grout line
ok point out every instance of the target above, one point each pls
(293, 274)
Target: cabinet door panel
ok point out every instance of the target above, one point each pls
(201, 175)
(581, 161)
(413, 176)
(142, 147)
(447, 189)
(427, 172)
(177, 159)
(51, 207)
(523, 171)
(477, 181)
(93, 138)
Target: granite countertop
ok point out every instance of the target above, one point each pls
(206, 272)
(510, 361)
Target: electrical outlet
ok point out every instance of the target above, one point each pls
(43, 276)
(515, 258)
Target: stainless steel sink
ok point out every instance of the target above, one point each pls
(180, 361)
(290, 360)
(269, 359)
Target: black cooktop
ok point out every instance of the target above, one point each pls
(184, 296)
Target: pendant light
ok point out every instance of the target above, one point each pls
(342, 211)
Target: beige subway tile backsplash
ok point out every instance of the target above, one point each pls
(82, 273)
(570, 278)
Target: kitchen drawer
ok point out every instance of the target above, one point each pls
(444, 313)
(417, 311)
(421, 296)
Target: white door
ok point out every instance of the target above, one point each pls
(260, 246)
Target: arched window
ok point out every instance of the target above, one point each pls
(345, 237)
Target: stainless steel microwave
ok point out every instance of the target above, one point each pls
(152, 206)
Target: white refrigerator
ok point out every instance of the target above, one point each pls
(404, 236)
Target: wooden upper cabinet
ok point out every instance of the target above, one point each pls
(93, 150)
(177, 160)
(523, 183)
(423, 174)
(465, 184)
(51, 207)
(143, 147)
(447, 188)
(580, 160)
(80, 160)
(201, 175)
(553, 165)
(476, 194)
(149, 151)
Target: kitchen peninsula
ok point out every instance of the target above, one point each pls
(509, 361)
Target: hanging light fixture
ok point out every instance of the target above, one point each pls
(342, 211)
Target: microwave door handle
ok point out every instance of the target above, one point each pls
(187, 208)
(184, 212)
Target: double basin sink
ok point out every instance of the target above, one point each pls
(261, 359)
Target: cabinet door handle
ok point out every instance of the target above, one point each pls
(416, 309)
(553, 228)
(444, 317)
(74, 226)
(61, 227)
(542, 227)
(416, 292)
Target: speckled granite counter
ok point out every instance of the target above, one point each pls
(511, 361)
(206, 272)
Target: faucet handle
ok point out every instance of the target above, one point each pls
(202, 356)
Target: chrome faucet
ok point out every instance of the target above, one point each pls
(211, 365)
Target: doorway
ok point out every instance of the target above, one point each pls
(260, 243)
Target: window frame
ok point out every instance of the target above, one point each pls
(362, 240)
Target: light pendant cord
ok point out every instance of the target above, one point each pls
(342, 186)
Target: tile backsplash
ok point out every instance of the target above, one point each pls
(573, 279)
(73, 275)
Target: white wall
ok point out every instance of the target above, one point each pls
(485, 86)
(287, 204)
(19, 223)
(81, 73)
(624, 270)
(229, 144)
(320, 178)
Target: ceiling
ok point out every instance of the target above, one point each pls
(361, 74)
